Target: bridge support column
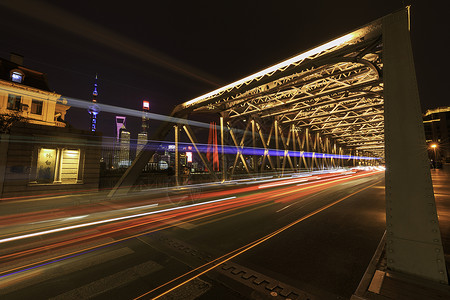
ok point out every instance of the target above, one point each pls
(413, 241)
(276, 147)
(177, 159)
(224, 165)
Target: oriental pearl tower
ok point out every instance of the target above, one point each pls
(94, 108)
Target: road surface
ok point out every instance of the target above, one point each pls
(298, 238)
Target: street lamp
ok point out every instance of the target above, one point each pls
(434, 146)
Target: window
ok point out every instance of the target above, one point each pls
(16, 76)
(69, 166)
(57, 165)
(14, 102)
(36, 107)
(46, 165)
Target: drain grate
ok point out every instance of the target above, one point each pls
(261, 283)
(258, 282)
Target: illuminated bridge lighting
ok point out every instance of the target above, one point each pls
(283, 64)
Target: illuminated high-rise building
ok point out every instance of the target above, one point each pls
(94, 108)
(143, 135)
(145, 109)
(124, 148)
(121, 144)
(120, 122)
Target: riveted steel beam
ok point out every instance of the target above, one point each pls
(413, 239)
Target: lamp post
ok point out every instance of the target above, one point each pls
(434, 146)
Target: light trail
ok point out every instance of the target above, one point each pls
(18, 218)
(91, 248)
(244, 201)
(200, 196)
(224, 258)
(20, 237)
(263, 186)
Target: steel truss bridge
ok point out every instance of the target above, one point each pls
(354, 97)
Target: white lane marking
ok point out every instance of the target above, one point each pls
(284, 207)
(20, 237)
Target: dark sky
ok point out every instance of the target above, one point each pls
(169, 52)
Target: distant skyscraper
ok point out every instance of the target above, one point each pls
(143, 135)
(124, 148)
(94, 108)
(141, 142)
(120, 122)
(121, 143)
(145, 109)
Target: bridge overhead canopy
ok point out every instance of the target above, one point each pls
(335, 89)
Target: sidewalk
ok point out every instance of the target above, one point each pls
(379, 283)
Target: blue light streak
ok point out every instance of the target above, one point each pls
(163, 145)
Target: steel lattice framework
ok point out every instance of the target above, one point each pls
(357, 93)
(335, 89)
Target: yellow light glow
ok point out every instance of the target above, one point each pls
(433, 145)
(71, 153)
(321, 48)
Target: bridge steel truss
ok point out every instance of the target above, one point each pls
(355, 95)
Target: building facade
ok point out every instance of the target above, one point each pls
(39, 153)
(35, 160)
(25, 93)
(437, 132)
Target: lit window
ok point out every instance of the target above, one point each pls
(36, 107)
(57, 166)
(14, 102)
(69, 166)
(46, 165)
(16, 76)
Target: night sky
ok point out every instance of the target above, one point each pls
(169, 52)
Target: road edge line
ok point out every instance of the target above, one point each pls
(370, 271)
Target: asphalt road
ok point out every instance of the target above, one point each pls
(299, 240)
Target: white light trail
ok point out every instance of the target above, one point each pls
(263, 186)
(25, 236)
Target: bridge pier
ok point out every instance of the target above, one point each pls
(413, 241)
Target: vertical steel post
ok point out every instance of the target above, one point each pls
(307, 148)
(294, 148)
(413, 239)
(254, 146)
(224, 167)
(276, 146)
(177, 167)
(302, 154)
